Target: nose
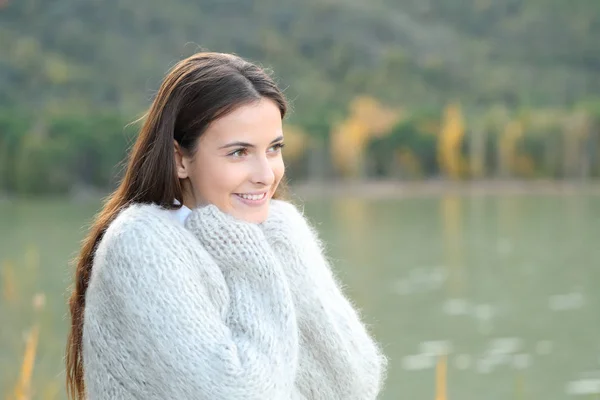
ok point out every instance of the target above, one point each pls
(262, 172)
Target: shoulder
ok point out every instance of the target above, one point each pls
(145, 221)
(146, 232)
(144, 247)
(139, 217)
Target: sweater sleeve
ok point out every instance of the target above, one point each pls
(156, 328)
(326, 316)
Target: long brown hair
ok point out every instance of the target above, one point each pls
(195, 92)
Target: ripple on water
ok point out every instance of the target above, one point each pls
(503, 351)
(456, 307)
(522, 361)
(429, 353)
(435, 347)
(483, 312)
(583, 387)
(505, 345)
(568, 301)
(417, 362)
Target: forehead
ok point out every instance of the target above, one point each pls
(253, 123)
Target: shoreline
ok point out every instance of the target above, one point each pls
(387, 190)
(424, 189)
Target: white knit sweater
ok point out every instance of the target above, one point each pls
(221, 309)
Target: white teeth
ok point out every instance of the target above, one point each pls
(252, 196)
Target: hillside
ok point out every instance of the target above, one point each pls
(86, 55)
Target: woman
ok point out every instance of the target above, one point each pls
(195, 282)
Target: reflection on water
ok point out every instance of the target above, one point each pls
(452, 220)
(505, 287)
(470, 297)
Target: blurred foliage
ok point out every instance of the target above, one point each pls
(85, 55)
(410, 90)
(60, 153)
(449, 143)
(367, 119)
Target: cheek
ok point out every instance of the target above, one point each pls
(232, 178)
(212, 181)
(216, 181)
(278, 169)
(225, 179)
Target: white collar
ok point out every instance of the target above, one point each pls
(182, 213)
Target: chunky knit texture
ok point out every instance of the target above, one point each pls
(221, 309)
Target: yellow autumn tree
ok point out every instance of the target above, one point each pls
(449, 141)
(296, 142)
(367, 118)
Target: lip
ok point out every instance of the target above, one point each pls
(252, 203)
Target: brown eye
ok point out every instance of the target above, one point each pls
(277, 147)
(239, 152)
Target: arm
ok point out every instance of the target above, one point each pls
(324, 312)
(154, 327)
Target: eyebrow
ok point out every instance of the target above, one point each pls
(244, 144)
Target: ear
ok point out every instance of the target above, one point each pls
(181, 164)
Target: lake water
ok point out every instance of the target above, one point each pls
(487, 297)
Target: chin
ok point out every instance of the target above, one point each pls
(256, 217)
(253, 213)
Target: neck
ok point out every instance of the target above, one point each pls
(189, 200)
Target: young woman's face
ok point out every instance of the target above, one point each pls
(238, 163)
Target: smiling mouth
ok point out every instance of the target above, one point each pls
(252, 197)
